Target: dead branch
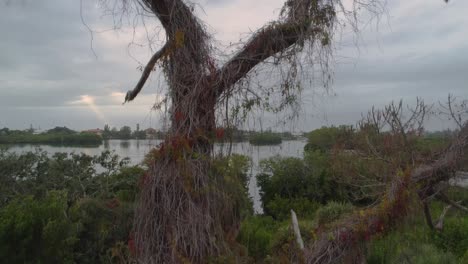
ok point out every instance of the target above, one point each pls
(146, 73)
(455, 110)
(344, 239)
(440, 223)
(297, 231)
(443, 197)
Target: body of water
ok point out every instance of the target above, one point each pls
(137, 149)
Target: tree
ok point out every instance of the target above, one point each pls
(177, 217)
(114, 133)
(125, 132)
(106, 133)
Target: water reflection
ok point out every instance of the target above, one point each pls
(137, 149)
(126, 144)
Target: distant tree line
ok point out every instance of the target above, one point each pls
(126, 132)
(55, 136)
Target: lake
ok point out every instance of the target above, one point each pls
(137, 149)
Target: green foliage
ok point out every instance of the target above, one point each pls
(410, 245)
(454, 236)
(280, 207)
(234, 171)
(293, 183)
(325, 138)
(256, 234)
(55, 136)
(431, 145)
(34, 173)
(332, 212)
(414, 242)
(265, 138)
(416, 253)
(37, 231)
(103, 224)
(272, 241)
(61, 130)
(66, 208)
(125, 132)
(284, 248)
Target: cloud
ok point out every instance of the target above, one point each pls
(50, 76)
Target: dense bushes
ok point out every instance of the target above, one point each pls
(75, 208)
(454, 236)
(256, 234)
(37, 230)
(66, 208)
(299, 184)
(325, 138)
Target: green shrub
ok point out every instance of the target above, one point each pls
(294, 183)
(284, 247)
(332, 212)
(280, 208)
(323, 139)
(454, 236)
(412, 253)
(234, 182)
(37, 231)
(256, 234)
(103, 226)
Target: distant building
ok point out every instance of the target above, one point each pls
(96, 131)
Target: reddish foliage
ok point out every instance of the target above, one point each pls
(113, 203)
(131, 244)
(175, 142)
(219, 133)
(344, 236)
(179, 116)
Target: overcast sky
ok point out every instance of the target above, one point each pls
(50, 76)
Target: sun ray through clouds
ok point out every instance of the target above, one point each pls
(89, 101)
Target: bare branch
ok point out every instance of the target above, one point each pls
(440, 223)
(146, 73)
(443, 197)
(297, 231)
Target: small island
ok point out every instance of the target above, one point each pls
(265, 138)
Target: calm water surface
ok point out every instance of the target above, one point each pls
(136, 150)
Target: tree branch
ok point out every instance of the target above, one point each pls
(440, 223)
(443, 197)
(297, 231)
(266, 42)
(379, 219)
(146, 73)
